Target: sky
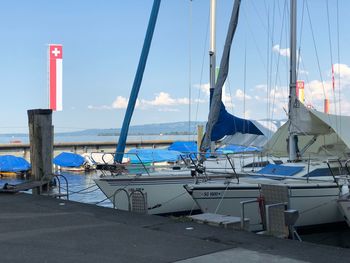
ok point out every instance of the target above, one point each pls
(102, 42)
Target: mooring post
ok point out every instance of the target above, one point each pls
(41, 145)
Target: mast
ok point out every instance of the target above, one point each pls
(137, 82)
(293, 101)
(212, 55)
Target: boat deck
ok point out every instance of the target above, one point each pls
(44, 229)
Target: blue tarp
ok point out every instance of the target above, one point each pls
(237, 149)
(10, 163)
(67, 159)
(153, 155)
(184, 147)
(282, 170)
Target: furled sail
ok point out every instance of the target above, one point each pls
(215, 106)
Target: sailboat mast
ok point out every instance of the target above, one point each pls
(293, 101)
(137, 82)
(212, 55)
(212, 50)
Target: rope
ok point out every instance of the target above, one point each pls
(315, 48)
(222, 198)
(318, 206)
(202, 68)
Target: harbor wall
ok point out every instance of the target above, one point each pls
(23, 149)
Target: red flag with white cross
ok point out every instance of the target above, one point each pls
(55, 77)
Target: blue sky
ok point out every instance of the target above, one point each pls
(102, 41)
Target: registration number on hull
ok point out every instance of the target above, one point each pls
(211, 194)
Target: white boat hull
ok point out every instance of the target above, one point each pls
(344, 206)
(316, 203)
(165, 194)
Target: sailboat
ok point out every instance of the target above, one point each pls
(163, 192)
(313, 187)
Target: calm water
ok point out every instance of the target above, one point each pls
(81, 187)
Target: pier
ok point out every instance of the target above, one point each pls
(44, 229)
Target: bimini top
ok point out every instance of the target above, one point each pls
(68, 159)
(152, 155)
(10, 163)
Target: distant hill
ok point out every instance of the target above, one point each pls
(146, 129)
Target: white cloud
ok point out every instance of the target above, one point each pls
(240, 95)
(342, 71)
(205, 88)
(164, 99)
(285, 52)
(161, 101)
(303, 72)
(120, 103)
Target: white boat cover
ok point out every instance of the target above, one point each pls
(329, 130)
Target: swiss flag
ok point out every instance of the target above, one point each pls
(55, 76)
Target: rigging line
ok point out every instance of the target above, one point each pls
(258, 15)
(202, 68)
(190, 70)
(277, 64)
(244, 80)
(339, 87)
(331, 55)
(268, 64)
(271, 58)
(315, 47)
(300, 38)
(254, 40)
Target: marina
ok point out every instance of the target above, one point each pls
(265, 178)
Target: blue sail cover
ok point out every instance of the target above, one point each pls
(10, 163)
(68, 159)
(153, 155)
(228, 124)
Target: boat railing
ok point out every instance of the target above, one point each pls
(57, 178)
(135, 204)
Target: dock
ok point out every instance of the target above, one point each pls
(38, 228)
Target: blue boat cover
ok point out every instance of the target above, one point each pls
(68, 159)
(282, 170)
(183, 146)
(237, 149)
(10, 163)
(228, 124)
(153, 155)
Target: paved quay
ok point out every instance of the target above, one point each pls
(44, 229)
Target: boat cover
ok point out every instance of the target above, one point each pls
(153, 155)
(10, 163)
(183, 146)
(282, 170)
(68, 159)
(237, 149)
(330, 131)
